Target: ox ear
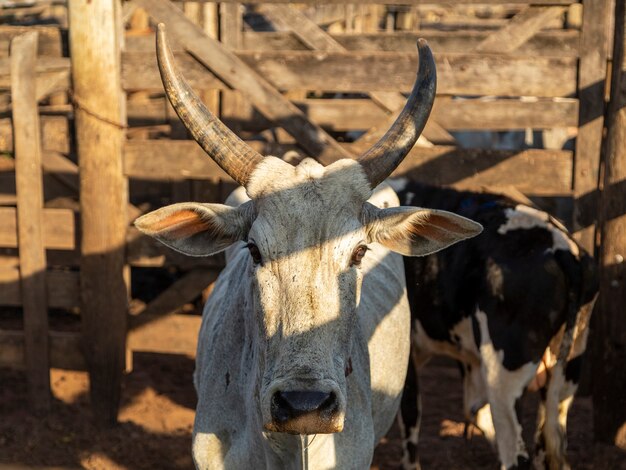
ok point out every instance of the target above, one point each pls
(413, 231)
(198, 229)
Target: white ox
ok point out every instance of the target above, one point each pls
(307, 329)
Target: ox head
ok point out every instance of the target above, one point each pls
(307, 229)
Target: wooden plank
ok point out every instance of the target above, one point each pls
(609, 330)
(231, 31)
(419, 2)
(551, 169)
(47, 69)
(182, 291)
(29, 187)
(49, 41)
(458, 74)
(590, 91)
(360, 114)
(520, 28)
(353, 72)
(172, 334)
(65, 350)
(317, 39)
(561, 43)
(54, 134)
(504, 114)
(100, 120)
(238, 76)
(57, 228)
(62, 288)
(473, 169)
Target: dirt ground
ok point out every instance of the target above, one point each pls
(157, 416)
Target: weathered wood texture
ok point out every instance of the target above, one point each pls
(352, 72)
(100, 117)
(317, 39)
(418, 2)
(65, 352)
(56, 225)
(559, 43)
(29, 187)
(182, 291)
(231, 36)
(520, 29)
(49, 41)
(609, 328)
(360, 114)
(437, 165)
(170, 334)
(238, 75)
(62, 288)
(591, 83)
(54, 131)
(52, 74)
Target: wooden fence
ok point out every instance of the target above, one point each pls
(323, 80)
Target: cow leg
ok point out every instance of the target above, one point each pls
(504, 387)
(552, 433)
(556, 398)
(410, 414)
(475, 402)
(551, 436)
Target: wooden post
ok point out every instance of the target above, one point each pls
(29, 187)
(95, 35)
(609, 331)
(591, 77)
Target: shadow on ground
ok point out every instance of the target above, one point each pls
(157, 416)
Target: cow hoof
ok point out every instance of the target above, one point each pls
(523, 463)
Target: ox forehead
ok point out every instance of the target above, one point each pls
(308, 204)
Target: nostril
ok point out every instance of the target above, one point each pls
(281, 410)
(290, 405)
(330, 404)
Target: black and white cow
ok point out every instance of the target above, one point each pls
(512, 306)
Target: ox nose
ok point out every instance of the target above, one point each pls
(308, 405)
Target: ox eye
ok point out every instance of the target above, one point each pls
(358, 255)
(255, 253)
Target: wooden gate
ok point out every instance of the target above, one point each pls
(323, 80)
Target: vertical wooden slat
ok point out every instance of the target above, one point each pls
(95, 35)
(231, 36)
(591, 79)
(609, 327)
(210, 25)
(29, 187)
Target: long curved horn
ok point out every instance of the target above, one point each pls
(385, 156)
(232, 154)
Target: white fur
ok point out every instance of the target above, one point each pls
(525, 217)
(504, 387)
